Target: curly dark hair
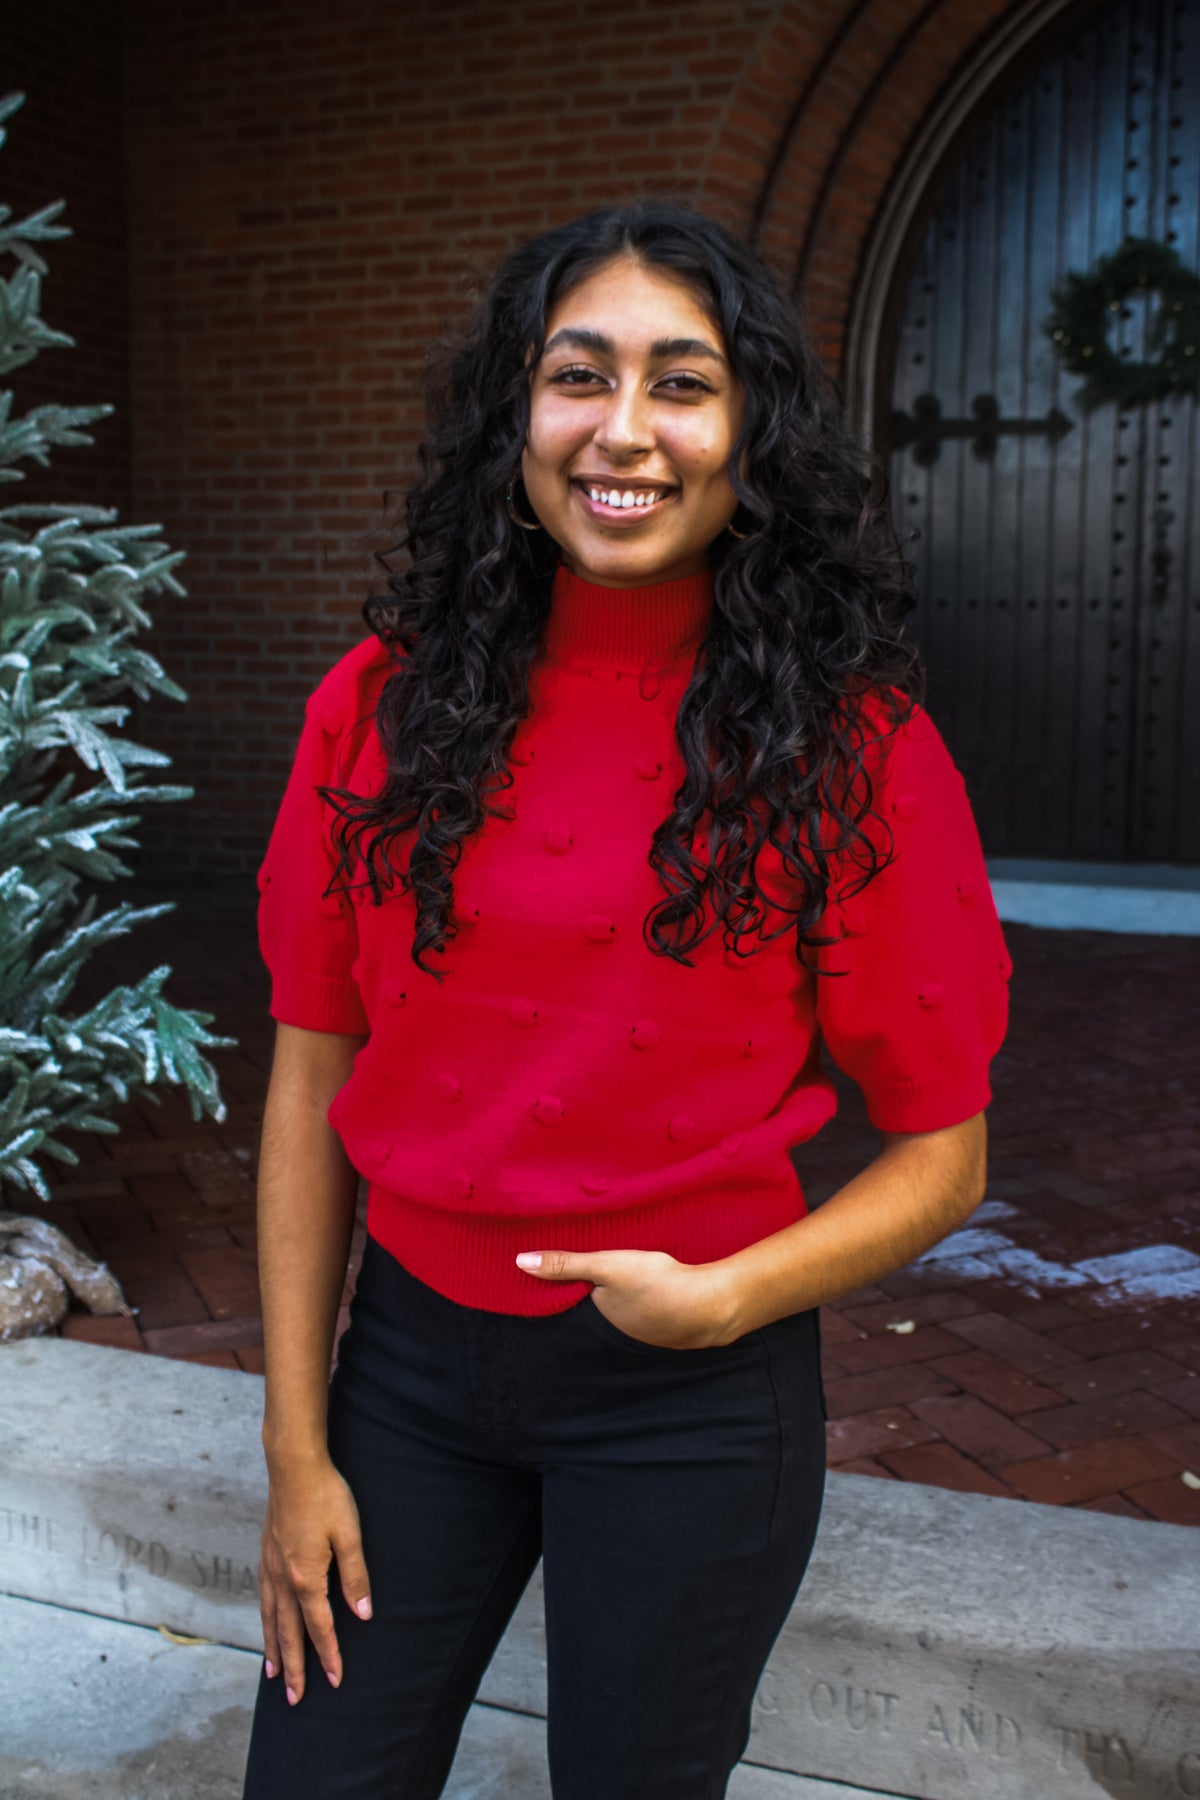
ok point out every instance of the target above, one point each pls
(807, 616)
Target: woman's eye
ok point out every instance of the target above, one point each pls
(680, 384)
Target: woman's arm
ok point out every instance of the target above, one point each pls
(307, 1189)
(922, 1185)
(306, 1195)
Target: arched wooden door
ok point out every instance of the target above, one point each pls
(1059, 557)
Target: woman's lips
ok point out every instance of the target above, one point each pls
(624, 515)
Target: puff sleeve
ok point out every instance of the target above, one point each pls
(919, 1005)
(309, 939)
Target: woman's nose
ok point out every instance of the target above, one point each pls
(625, 425)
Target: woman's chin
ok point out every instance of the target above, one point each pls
(630, 565)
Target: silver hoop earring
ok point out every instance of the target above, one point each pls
(515, 516)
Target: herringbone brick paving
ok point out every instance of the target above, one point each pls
(995, 1365)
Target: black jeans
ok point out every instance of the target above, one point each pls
(673, 1496)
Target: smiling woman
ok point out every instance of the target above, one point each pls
(573, 1041)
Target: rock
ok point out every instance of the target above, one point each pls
(38, 1264)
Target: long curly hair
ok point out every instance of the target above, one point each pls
(807, 618)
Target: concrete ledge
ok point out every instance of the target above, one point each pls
(95, 1710)
(947, 1646)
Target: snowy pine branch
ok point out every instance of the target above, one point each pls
(74, 586)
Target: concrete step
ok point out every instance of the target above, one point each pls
(943, 1645)
(92, 1709)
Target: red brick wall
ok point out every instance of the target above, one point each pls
(66, 143)
(310, 191)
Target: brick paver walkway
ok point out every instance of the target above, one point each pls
(1050, 1351)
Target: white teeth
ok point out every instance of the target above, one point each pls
(623, 500)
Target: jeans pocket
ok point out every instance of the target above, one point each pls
(603, 1327)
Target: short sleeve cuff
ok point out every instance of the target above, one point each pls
(929, 1105)
(317, 1002)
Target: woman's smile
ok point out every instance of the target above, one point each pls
(622, 503)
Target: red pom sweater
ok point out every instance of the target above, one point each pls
(563, 1084)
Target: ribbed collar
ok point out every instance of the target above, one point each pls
(626, 627)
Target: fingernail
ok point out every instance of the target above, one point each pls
(291, 1694)
(333, 1679)
(271, 1669)
(529, 1259)
(363, 1608)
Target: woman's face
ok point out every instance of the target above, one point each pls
(633, 414)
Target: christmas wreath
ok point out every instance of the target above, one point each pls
(1078, 326)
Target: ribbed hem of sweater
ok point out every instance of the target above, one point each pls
(469, 1257)
(626, 627)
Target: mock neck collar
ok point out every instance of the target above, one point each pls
(626, 627)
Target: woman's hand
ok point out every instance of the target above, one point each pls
(648, 1294)
(311, 1517)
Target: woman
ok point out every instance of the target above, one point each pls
(571, 1039)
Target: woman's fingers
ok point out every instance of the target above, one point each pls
(318, 1618)
(266, 1607)
(289, 1628)
(352, 1567)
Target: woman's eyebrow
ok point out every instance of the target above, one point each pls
(684, 346)
(579, 337)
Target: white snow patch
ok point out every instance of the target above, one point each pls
(1151, 1272)
(974, 1255)
(993, 1210)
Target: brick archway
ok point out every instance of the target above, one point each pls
(838, 129)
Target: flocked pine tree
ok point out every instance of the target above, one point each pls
(72, 587)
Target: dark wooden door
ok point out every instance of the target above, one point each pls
(1059, 561)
